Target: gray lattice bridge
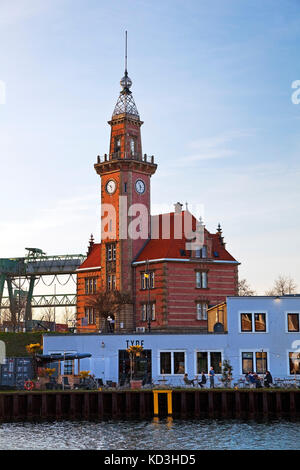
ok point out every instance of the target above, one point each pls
(32, 268)
(42, 301)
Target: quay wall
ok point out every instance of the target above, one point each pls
(93, 405)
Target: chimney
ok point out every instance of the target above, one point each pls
(219, 231)
(178, 207)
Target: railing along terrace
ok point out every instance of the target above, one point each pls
(127, 156)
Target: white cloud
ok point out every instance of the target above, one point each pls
(209, 154)
(218, 146)
(216, 141)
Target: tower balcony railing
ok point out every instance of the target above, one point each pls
(126, 156)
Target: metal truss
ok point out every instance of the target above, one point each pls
(31, 268)
(40, 301)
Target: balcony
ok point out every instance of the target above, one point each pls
(125, 156)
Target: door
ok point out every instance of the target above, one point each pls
(142, 369)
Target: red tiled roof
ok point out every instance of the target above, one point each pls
(176, 248)
(93, 259)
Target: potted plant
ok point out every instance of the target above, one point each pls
(84, 376)
(226, 374)
(134, 352)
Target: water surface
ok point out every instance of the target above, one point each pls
(158, 434)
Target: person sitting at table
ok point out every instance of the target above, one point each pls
(257, 381)
(247, 377)
(268, 379)
(203, 379)
(187, 381)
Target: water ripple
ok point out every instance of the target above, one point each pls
(163, 434)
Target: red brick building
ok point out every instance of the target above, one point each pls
(171, 283)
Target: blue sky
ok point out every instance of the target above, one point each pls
(212, 82)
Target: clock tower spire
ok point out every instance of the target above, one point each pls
(125, 188)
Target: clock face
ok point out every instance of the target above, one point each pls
(140, 186)
(111, 186)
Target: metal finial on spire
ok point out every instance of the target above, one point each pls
(125, 103)
(126, 82)
(91, 244)
(219, 228)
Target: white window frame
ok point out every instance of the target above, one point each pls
(144, 312)
(172, 351)
(208, 351)
(201, 273)
(201, 252)
(88, 313)
(250, 350)
(253, 322)
(287, 312)
(147, 281)
(153, 311)
(197, 312)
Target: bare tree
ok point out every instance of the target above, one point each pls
(108, 304)
(47, 314)
(244, 288)
(5, 315)
(69, 316)
(283, 285)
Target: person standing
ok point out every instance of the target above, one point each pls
(251, 380)
(211, 375)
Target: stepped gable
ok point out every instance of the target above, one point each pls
(176, 248)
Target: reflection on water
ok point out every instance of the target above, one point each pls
(163, 434)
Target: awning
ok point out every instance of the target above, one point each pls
(61, 357)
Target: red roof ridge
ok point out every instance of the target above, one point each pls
(93, 259)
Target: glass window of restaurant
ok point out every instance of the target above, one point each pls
(172, 362)
(261, 362)
(246, 321)
(247, 362)
(208, 359)
(255, 362)
(260, 322)
(294, 363)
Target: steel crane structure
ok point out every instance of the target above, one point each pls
(32, 268)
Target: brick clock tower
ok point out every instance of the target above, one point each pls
(125, 196)
(172, 287)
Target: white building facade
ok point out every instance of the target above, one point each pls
(263, 334)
